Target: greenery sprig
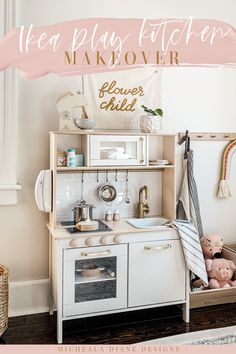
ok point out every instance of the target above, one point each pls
(155, 112)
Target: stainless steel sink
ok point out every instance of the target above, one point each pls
(146, 223)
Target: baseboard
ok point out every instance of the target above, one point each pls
(28, 297)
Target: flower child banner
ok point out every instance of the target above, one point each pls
(97, 45)
(120, 96)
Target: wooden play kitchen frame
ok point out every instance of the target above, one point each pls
(135, 250)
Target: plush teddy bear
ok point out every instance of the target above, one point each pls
(220, 272)
(212, 246)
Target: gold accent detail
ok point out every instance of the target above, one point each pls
(143, 209)
(97, 254)
(157, 248)
(114, 103)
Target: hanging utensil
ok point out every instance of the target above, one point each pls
(127, 199)
(120, 194)
(107, 192)
(82, 200)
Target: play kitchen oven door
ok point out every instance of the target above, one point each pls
(95, 279)
(117, 150)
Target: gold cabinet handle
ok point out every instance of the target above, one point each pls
(142, 150)
(157, 248)
(97, 254)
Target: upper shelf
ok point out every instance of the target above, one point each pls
(114, 132)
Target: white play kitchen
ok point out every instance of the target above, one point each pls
(121, 262)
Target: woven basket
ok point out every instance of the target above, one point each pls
(3, 299)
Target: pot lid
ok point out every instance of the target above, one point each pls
(82, 205)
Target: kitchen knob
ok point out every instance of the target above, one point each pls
(118, 239)
(90, 241)
(105, 240)
(75, 243)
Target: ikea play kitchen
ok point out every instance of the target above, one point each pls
(102, 266)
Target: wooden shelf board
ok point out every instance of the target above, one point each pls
(114, 132)
(112, 168)
(103, 277)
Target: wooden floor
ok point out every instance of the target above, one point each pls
(125, 328)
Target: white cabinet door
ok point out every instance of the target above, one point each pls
(86, 294)
(156, 273)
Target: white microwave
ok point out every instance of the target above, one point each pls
(118, 150)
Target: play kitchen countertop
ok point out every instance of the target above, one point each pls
(121, 227)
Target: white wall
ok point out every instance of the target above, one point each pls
(199, 99)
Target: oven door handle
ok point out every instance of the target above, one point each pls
(97, 254)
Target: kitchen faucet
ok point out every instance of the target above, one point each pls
(143, 209)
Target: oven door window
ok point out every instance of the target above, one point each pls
(95, 279)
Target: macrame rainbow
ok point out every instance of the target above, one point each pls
(223, 190)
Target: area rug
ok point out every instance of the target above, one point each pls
(224, 335)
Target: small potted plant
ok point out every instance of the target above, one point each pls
(151, 122)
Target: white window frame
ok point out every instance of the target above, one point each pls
(8, 115)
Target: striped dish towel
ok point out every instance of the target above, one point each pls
(191, 247)
(188, 207)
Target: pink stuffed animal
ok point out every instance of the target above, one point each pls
(220, 272)
(212, 246)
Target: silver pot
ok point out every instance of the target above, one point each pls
(83, 212)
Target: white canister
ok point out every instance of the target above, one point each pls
(71, 158)
(108, 215)
(116, 215)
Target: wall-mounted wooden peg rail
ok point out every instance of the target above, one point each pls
(206, 136)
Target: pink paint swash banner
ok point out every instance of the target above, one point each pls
(112, 349)
(99, 45)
